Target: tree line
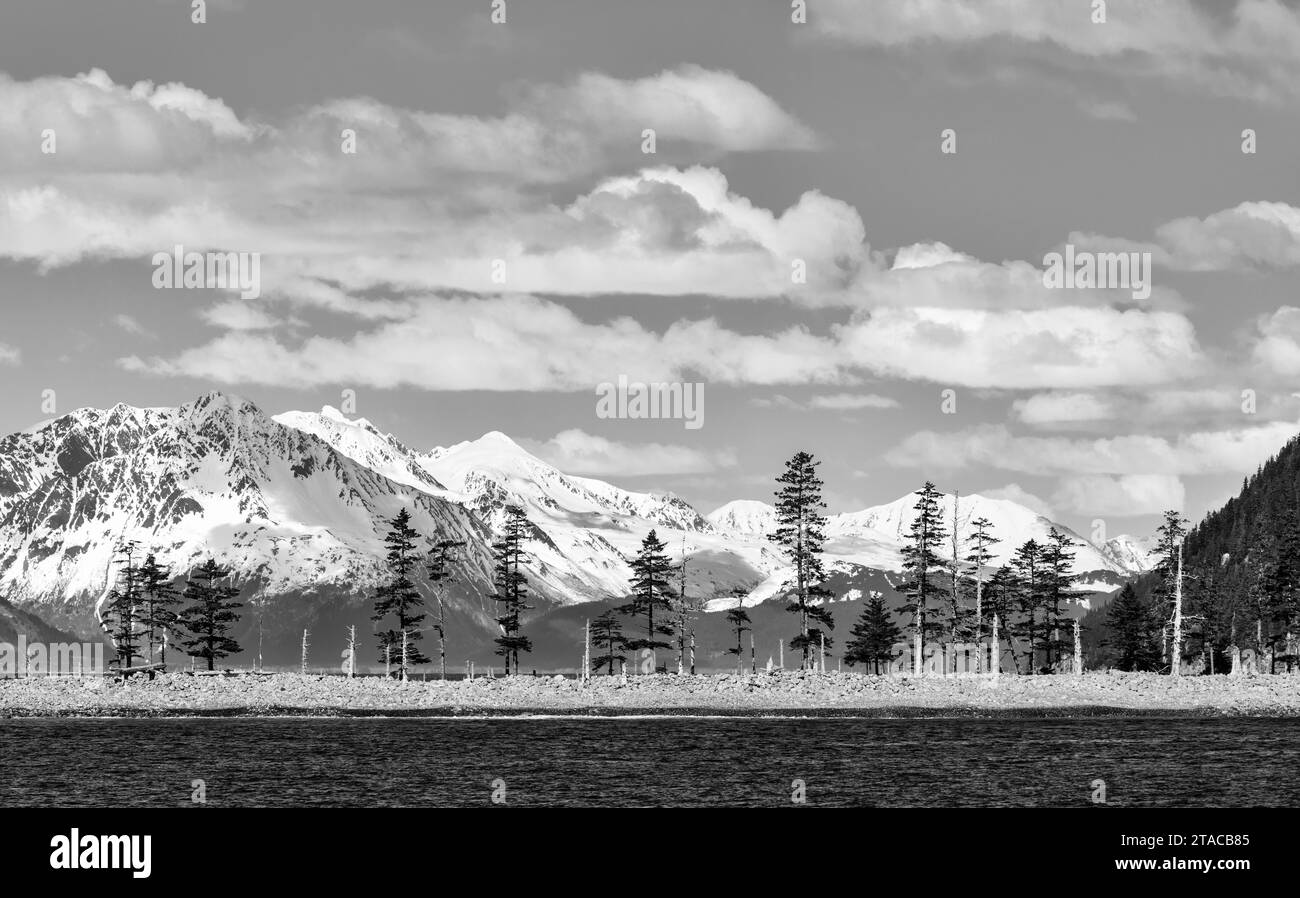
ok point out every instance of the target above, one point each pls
(952, 597)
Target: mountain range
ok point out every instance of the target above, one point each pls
(296, 506)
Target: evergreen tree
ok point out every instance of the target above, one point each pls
(511, 587)
(398, 596)
(210, 615)
(607, 632)
(981, 542)
(874, 637)
(800, 532)
(738, 618)
(1028, 582)
(1000, 602)
(652, 591)
(1135, 631)
(1170, 536)
(443, 556)
(158, 613)
(921, 562)
(123, 606)
(1058, 590)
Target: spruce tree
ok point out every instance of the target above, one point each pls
(981, 542)
(921, 566)
(738, 618)
(511, 587)
(398, 596)
(606, 631)
(1134, 631)
(652, 592)
(210, 615)
(800, 532)
(443, 556)
(123, 606)
(874, 637)
(158, 614)
(1000, 602)
(1058, 590)
(1028, 588)
(1170, 536)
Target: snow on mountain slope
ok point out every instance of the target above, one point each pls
(587, 530)
(874, 537)
(1013, 525)
(744, 516)
(584, 530)
(360, 441)
(286, 511)
(1131, 553)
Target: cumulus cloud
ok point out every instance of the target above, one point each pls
(1033, 349)
(1249, 50)
(1198, 452)
(1251, 235)
(1125, 495)
(508, 343)
(578, 452)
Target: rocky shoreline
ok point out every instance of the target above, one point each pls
(791, 693)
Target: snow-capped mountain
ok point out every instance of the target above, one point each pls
(288, 513)
(744, 516)
(874, 537)
(1131, 553)
(585, 530)
(296, 506)
(1013, 524)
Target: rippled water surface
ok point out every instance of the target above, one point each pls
(1178, 762)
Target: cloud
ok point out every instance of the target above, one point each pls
(1034, 349)
(1250, 50)
(1199, 452)
(1175, 406)
(239, 316)
(1249, 236)
(131, 326)
(1276, 344)
(836, 402)
(578, 452)
(10, 355)
(507, 343)
(1129, 494)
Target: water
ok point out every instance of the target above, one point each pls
(1149, 761)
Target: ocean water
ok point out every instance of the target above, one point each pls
(620, 762)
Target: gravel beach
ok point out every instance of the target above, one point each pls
(789, 692)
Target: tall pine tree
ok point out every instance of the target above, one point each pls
(800, 531)
(441, 570)
(158, 609)
(922, 567)
(211, 614)
(123, 606)
(398, 597)
(652, 593)
(511, 587)
(981, 542)
(738, 619)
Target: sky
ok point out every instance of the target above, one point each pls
(501, 242)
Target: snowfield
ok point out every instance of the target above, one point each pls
(786, 692)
